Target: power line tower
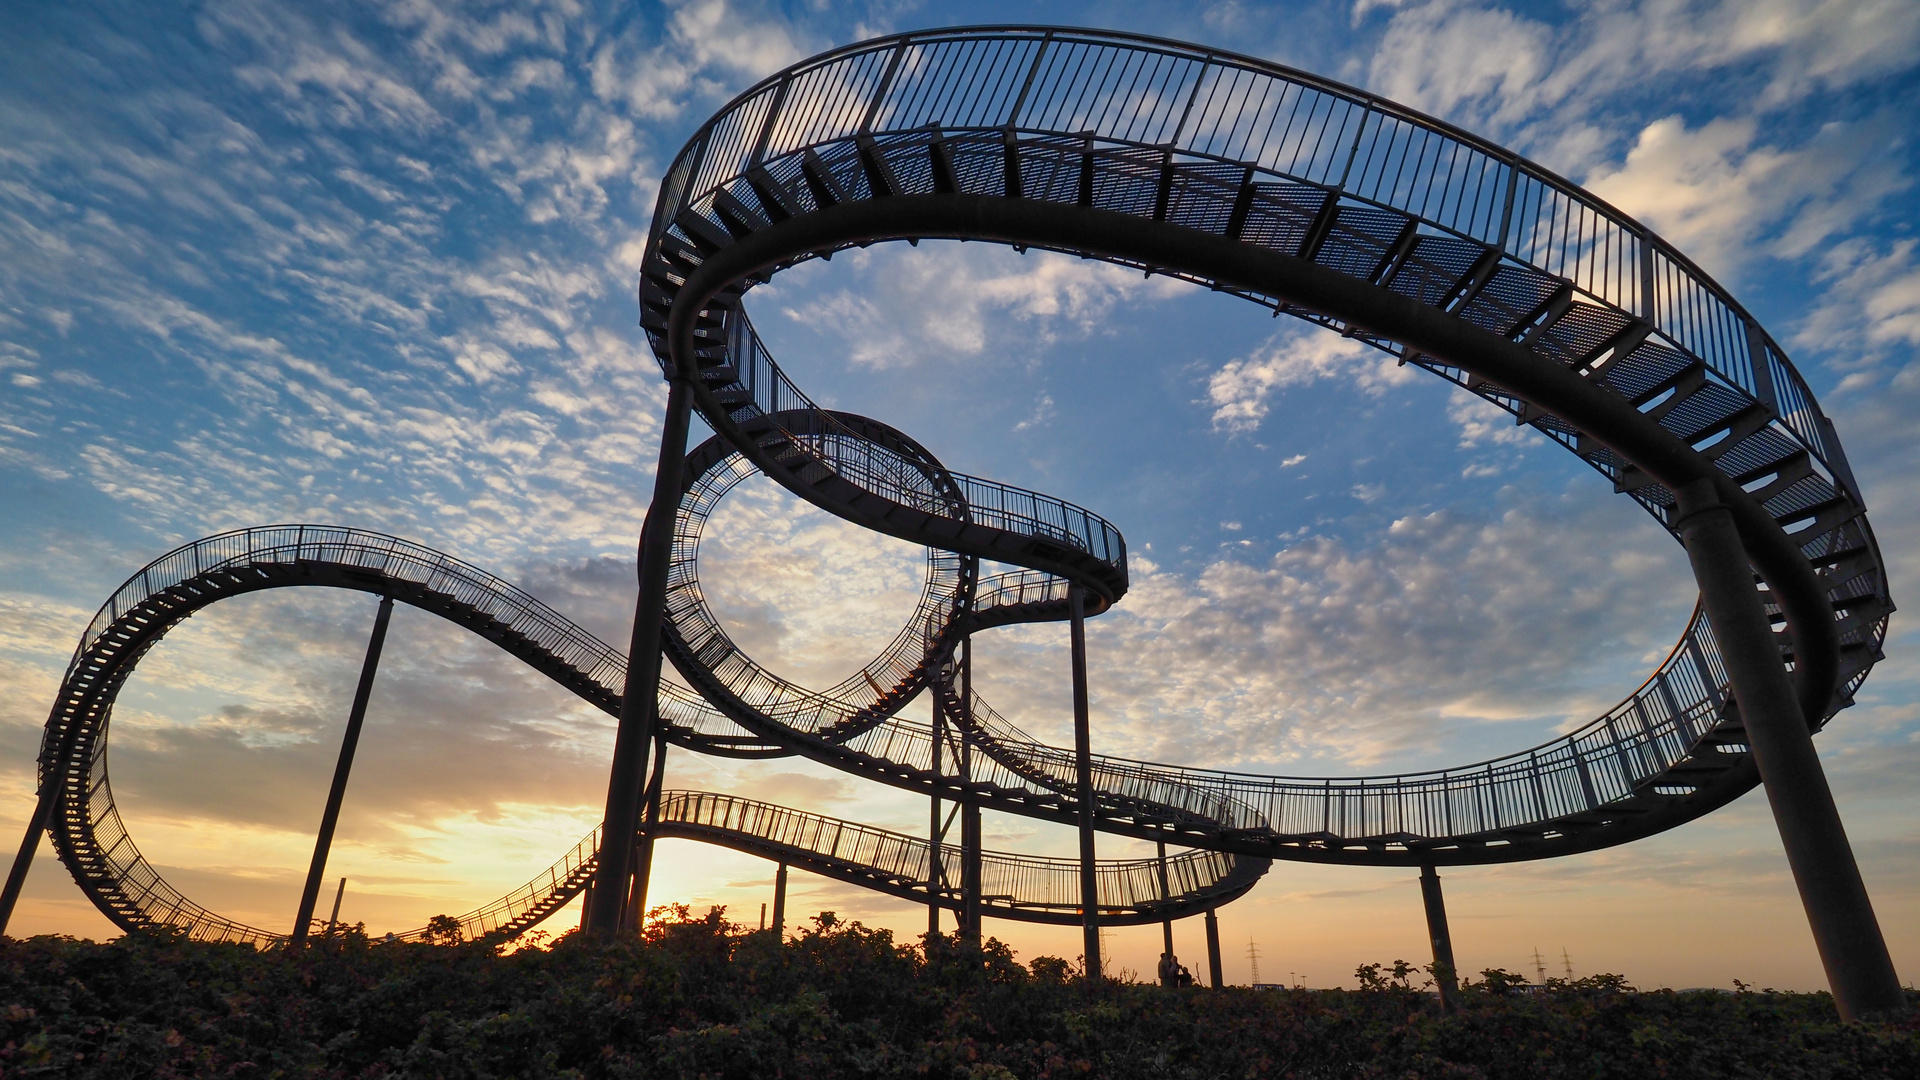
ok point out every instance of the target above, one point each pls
(1567, 961)
(1540, 965)
(1253, 959)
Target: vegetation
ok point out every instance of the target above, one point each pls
(699, 997)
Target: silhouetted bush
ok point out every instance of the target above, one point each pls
(700, 997)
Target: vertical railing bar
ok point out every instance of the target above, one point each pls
(1039, 54)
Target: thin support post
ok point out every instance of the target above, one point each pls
(934, 866)
(1213, 950)
(1083, 783)
(970, 811)
(780, 900)
(310, 895)
(29, 845)
(339, 894)
(643, 845)
(1445, 975)
(1845, 931)
(639, 700)
(1166, 893)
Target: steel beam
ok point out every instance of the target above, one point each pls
(639, 700)
(1445, 975)
(310, 895)
(1083, 783)
(1845, 930)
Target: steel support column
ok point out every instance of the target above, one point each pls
(1166, 893)
(780, 900)
(1841, 915)
(1083, 782)
(636, 913)
(639, 699)
(339, 894)
(1445, 975)
(1213, 950)
(310, 895)
(969, 811)
(933, 818)
(29, 844)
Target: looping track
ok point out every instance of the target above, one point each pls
(1298, 194)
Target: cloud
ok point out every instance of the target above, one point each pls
(1411, 647)
(1716, 194)
(1490, 68)
(712, 48)
(1241, 390)
(941, 300)
(1871, 307)
(1438, 57)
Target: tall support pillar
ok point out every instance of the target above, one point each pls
(1083, 783)
(29, 845)
(1213, 950)
(636, 912)
(1166, 893)
(340, 894)
(969, 811)
(935, 865)
(639, 699)
(1841, 915)
(1445, 975)
(310, 895)
(780, 901)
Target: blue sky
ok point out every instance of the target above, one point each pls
(373, 264)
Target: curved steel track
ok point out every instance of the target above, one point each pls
(1299, 194)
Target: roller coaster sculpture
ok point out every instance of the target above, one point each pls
(1298, 194)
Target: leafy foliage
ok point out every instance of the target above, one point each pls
(698, 996)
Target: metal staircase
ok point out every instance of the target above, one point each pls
(1301, 195)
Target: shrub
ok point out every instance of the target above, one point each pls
(698, 996)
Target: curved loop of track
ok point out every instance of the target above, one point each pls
(1326, 203)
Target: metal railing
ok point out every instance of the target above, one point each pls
(833, 446)
(1011, 881)
(1207, 107)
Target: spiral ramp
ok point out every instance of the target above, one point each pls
(1300, 195)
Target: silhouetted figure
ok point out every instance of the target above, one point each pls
(1169, 970)
(1184, 977)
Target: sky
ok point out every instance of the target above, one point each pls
(374, 265)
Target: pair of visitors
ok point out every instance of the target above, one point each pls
(1172, 972)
